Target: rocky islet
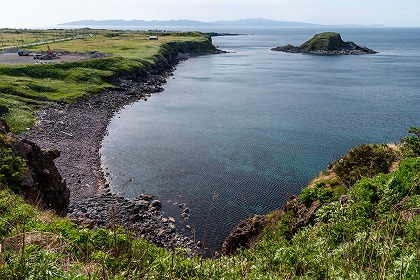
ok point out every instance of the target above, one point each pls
(327, 43)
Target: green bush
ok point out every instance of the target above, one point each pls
(411, 144)
(364, 161)
(322, 194)
(11, 165)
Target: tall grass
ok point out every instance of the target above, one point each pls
(374, 234)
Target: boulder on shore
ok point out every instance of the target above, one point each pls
(326, 43)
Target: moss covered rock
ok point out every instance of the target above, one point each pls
(327, 41)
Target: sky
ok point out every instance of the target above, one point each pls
(48, 13)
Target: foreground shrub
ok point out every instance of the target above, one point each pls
(364, 161)
(411, 146)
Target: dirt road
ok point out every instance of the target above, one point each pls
(11, 57)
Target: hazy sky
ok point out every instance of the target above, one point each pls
(47, 13)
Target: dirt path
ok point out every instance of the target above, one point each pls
(14, 59)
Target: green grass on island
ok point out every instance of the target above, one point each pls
(324, 41)
(29, 87)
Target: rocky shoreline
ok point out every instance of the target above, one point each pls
(77, 130)
(142, 215)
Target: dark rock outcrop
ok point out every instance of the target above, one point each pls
(305, 215)
(243, 235)
(327, 43)
(40, 183)
(247, 231)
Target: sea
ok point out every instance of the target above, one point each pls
(233, 135)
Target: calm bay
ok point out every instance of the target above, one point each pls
(235, 134)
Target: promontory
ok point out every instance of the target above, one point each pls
(326, 43)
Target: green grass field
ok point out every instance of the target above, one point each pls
(18, 37)
(26, 88)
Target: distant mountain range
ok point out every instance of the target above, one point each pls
(185, 23)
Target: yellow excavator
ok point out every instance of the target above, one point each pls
(48, 56)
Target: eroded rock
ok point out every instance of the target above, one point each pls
(243, 235)
(248, 231)
(40, 184)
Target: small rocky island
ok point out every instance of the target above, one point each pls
(327, 43)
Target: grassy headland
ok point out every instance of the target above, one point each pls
(25, 88)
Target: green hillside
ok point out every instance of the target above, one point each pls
(367, 226)
(25, 88)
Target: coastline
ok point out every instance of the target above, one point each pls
(323, 231)
(77, 130)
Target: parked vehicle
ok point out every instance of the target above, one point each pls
(23, 52)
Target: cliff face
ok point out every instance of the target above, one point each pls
(326, 43)
(39, 181)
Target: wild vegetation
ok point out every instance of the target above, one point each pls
(366, 228)
(26, 88)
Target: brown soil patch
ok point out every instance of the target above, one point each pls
(12, 58)
(323, 176)
(395, 164)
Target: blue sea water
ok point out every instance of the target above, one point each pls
(235, 134)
